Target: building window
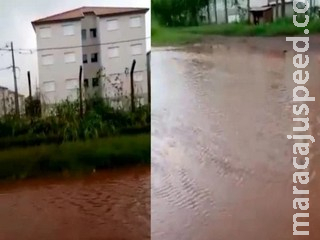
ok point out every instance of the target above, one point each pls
(69, 57)
(49, 86)
(72, 84)
(94, 57)
(84, 58)
(113, 52)
(112, 25)
(45, 32)
(84, 34)
(68, 30)
(141, 101)
(136, 49)
(86, 83)
(93, 32)
(135, 22)
(138, 76)
(47, 59)
(95, 82)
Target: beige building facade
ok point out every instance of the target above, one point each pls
(104, 41)
(7, 102)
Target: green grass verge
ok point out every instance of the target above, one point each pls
(75, 157)
(35, 140)
(165, 36)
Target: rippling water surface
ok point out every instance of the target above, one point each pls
(221, 162)
(111, 205)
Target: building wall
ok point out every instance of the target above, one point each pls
(90, 69)
(233, 11)
(7, 102)
(59, 71)
(3, 102)
(288, 9)
(117, 69)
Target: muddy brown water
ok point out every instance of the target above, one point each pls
(221, 163)
(111, 205)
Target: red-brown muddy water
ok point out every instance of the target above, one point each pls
(221, 163)
(111, 205)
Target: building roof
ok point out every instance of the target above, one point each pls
(274, 2)
(2, 88)
(78, 13)
(259, 9)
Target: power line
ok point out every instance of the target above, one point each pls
(5, 48)
(6, 68)
(26, 51)
(3, 53)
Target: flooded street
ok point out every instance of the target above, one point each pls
(111, 205)
(221, 162)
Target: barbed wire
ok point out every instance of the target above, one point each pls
(5, 68)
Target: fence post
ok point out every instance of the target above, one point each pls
(80, 90)
(132, 85)
(29, 83)
(149, 76)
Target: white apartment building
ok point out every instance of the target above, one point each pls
(7, 102)
(98, 38)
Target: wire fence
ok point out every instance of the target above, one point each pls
(35, 50)
(123, 91)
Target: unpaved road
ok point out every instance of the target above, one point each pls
(221, 163)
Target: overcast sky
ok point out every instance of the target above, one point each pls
(15, 25)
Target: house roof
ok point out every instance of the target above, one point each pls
(10, 91)
(259, 9)
(273, 2)
(78, 13)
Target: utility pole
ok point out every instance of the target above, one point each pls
(16, 99)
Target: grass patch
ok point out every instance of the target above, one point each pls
(75, 157)
(165, 36)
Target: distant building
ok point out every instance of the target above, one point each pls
(7, 102)
(102, 39)
(288, 8)
(236, 11)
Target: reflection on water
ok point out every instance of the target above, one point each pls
(107, 205)
(221, 162)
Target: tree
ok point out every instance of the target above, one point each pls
(215, 11)
(277, 9)
(178, 12)
(226, 11)
(208, 11)
(283, 8)
(248, 7)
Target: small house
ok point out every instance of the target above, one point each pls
(261, 14)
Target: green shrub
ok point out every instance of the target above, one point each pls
(181, 35)
(73, 157)
(65, 123)
(36, 140)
